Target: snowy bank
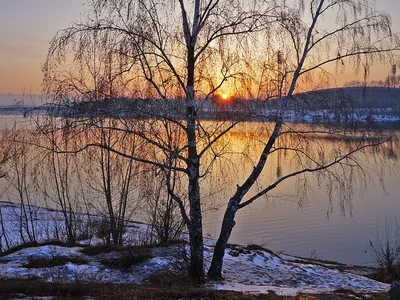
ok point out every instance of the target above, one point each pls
(245, 270)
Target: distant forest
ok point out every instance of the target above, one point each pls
(345, 98)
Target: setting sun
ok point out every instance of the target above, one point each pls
(224, 96)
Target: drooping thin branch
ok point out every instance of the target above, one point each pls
(308, 170)
(138, 159)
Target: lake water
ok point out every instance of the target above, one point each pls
(303, 216)
(335, 227)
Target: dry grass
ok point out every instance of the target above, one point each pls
(385, 275)
(124, 257)
(127, 259)
(35, 244)
(104, 249)
(53, 262)
(180, 289)
(35, 288)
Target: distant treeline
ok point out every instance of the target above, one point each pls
(337, 99)
(344, 99)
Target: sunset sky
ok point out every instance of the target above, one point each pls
(26, 27)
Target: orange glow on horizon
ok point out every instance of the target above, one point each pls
(28, 27)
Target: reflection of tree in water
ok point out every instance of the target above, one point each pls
(298, 146)
(233, 157)
(307, 146)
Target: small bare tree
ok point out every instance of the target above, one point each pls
(309, 45)
(386, 245)
(21, 173)
(166, 219)
(165, 197)
(59, 184)
(112, 179)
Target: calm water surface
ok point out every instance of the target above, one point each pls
(316, 224)
(310, 224)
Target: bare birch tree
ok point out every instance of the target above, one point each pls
(311, 46)
(21, 171)
(112, 179)
(191, 50)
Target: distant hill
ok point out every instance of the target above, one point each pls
(339, 106)
(349, 97)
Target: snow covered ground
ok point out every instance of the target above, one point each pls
(260, 271)
(253, 271)
(18, 222)
(13, 266)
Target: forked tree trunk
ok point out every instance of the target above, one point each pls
(215, 271)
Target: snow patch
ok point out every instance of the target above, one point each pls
(249, 271)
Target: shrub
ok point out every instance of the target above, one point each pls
(128, 258)
(98, 249)
(386, 246)
(53, 262)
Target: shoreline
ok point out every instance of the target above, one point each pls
(250, 269)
